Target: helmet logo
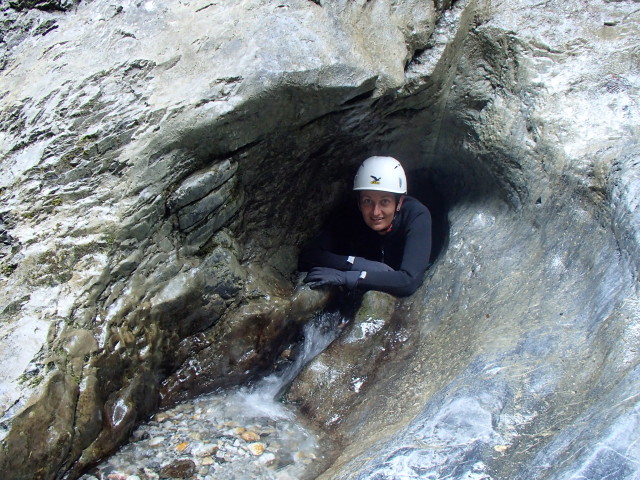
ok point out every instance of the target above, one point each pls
(375, 181)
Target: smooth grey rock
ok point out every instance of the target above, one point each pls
(333, 382)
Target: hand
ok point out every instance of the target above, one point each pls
(361, 264)
(320, 276)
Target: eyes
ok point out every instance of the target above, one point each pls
(369, 202)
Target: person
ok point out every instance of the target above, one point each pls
(384, 244)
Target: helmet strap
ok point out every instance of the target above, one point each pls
(399, 202)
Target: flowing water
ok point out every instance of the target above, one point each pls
(244, 433)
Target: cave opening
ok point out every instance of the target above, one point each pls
(425, 187)
(286, 207)
(295, 180)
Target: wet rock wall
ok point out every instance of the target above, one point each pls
(519, 362)
(143, 186)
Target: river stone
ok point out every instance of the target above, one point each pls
(178, 469)
(163, 162)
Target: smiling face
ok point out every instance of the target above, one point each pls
(378, 209)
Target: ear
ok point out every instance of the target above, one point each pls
(400, 202)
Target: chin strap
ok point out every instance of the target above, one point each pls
(399, 200)
(392, 221)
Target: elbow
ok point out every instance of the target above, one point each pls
(413, 282)
(408, 287)
(406, 291)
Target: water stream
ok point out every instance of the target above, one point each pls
(239, 434)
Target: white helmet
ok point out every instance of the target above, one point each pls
(381, 173)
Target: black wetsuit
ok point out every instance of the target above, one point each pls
(406, 248)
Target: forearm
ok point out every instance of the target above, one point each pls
(318, 257)
(398, 283)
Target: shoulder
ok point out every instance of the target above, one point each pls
(413, 208)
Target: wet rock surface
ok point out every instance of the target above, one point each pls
(496, 394)
(332, 384)
(162, 163)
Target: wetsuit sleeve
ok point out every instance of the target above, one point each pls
(320, 253)
(415, 260)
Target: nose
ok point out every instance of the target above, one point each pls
(377, 211)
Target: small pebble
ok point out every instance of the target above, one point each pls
(150, 474)
(205, 450)
(156, 441)
(268, 459)
(117, 476)
(161, 417)
(256, 448)
(250, 436)
(178, 469)
(182, 446)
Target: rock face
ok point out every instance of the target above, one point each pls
(162, 162)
